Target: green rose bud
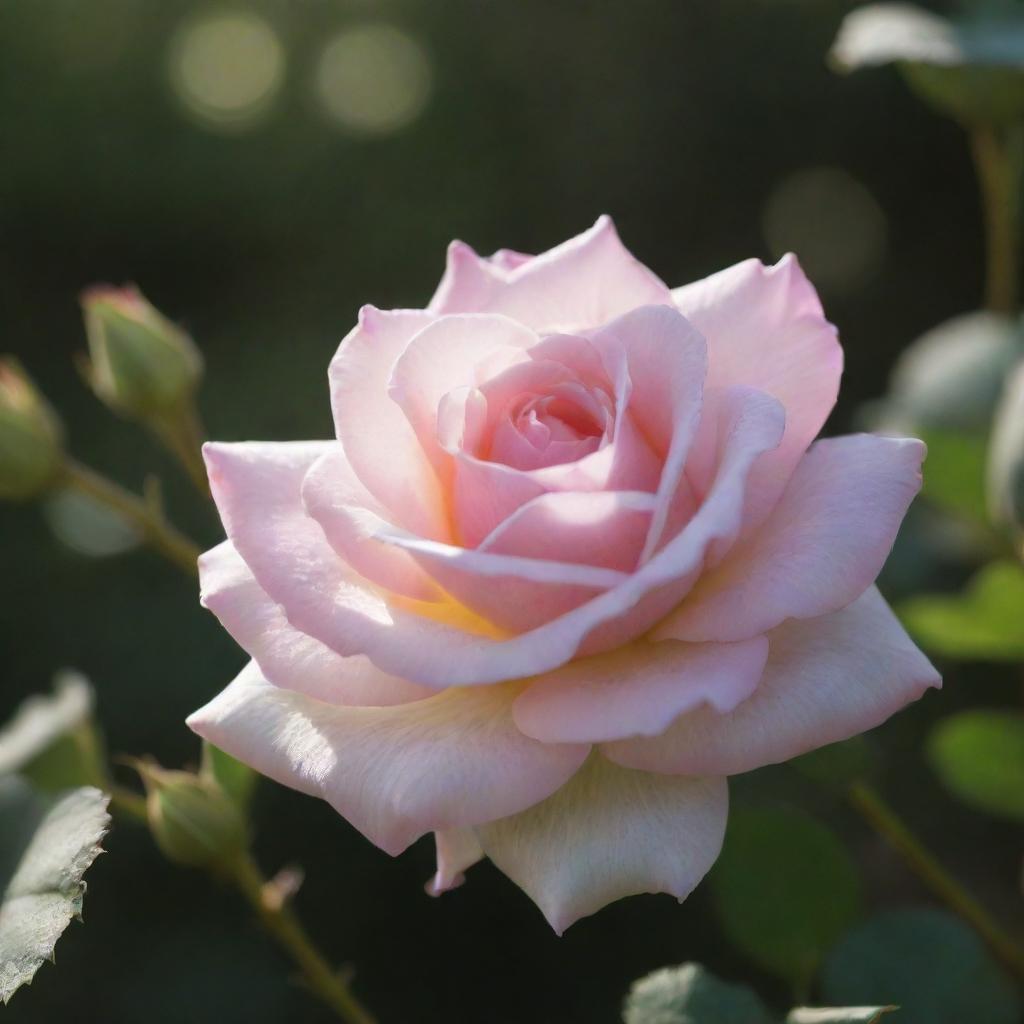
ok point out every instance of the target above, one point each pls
(31, 436)
(192, 820)
(141, 365)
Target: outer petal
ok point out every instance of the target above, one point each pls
(765, 328)
(822, 546)
(442, 357)
(377, 438)
(395, 773)
(826, 679)
(333, 496)
(581, 283)
(286, 657)
(457, 849)
(638, 690)
(610, 833)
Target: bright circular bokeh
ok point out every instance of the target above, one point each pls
(226, 68)
(373, 79)
(832, 222)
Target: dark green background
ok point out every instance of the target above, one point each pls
(679, 119)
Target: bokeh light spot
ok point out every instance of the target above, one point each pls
(833, 224)
(226, 68)
(373, 79)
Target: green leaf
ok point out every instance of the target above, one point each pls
(838, 1014)
(986, 621)
(926, 961)
(954, 473)
(52, 740)
(979, 755)
(971, 69)
(690, 994)
(46, 845)
(236, 780)
(784, 888)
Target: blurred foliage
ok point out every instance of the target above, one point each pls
(785, 888)
(928, 962)
(982, 621)
(979, 755)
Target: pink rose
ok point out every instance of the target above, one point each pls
(572, 560)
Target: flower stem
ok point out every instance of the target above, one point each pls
(275, 916)
(145, 515)
(884, 820)
(999, 160)
(284, 926)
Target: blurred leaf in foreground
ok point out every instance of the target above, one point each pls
(985, 621)
(979, 755)
(838, 1015)
(925, 961)
(950, 378)
(1006, 456)
(971, 68)
(53, 740)
(690, 994)
(46, 845)
(785, 889)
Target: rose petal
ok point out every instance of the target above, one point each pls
(377, 438)
(286, 657)
(638, 690)
(584, 282)
(256, 487)
(333, 496)
(603, 528)
(457, 849)
(668, 362)
(609, 833)
(443, 356)
(825, 542)
(826, 679)
(398, 772)
(513, 592)
(765, 328)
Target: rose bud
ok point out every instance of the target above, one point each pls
(30, 436)
(572, 559)
(192, 820)
(141, 365)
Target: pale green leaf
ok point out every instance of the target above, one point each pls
(690, 994)
(979, 755)
(52, 739)
(985, 621)
(46, 845)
